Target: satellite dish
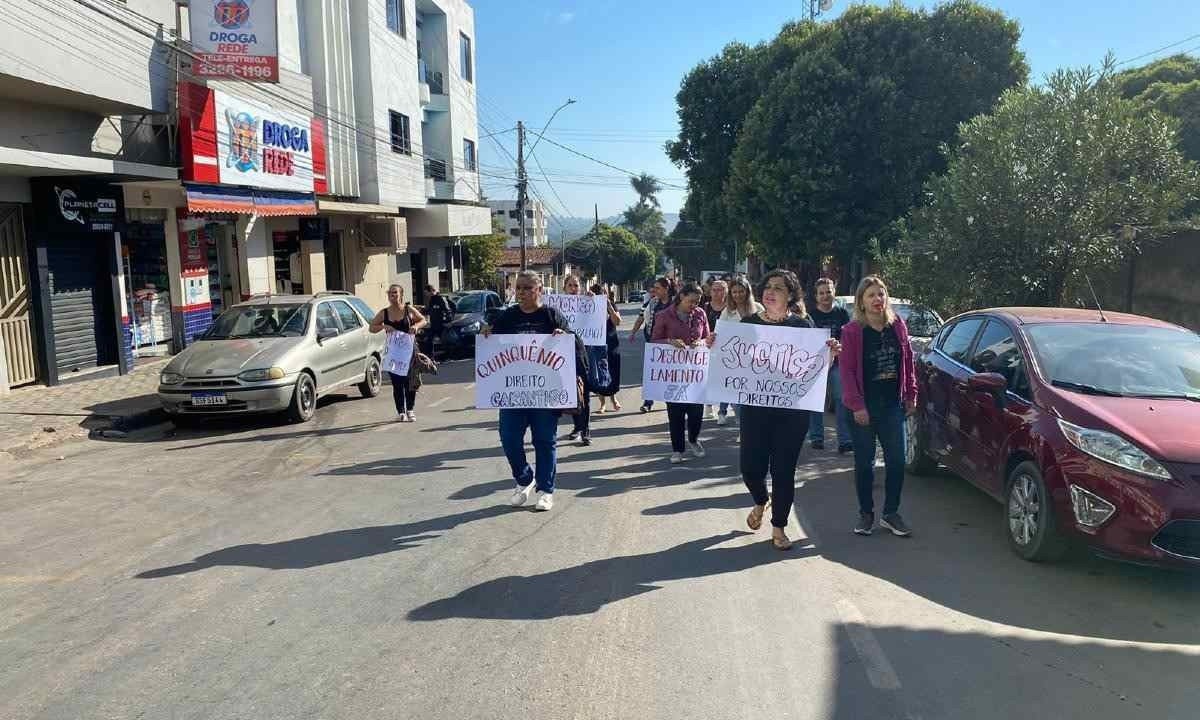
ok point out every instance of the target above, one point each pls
(826, 5)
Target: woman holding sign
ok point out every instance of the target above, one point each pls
(880, 387)
(769, 437)
(402, 322)
(683, 324)
(582, 420)
(613, 343)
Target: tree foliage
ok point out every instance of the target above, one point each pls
(614, 253)
(646, 223)
(647, 188)
(1172, 87)
(812, 143)
(483, 255)
(1059, 182)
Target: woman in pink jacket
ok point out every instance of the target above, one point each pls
(683, 324)
(880, 388)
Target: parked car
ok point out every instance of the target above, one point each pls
(637, 296)
(472, 311)
(275, 353)
(1084, 425)
(923, 323)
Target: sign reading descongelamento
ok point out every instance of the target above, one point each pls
(768, 366)
(586, 315)
(674, 374)
(525, 371)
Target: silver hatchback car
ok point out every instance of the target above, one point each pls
(275, 353)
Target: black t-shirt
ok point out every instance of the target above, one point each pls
(439, 311)
(832, 320)
(881, 365)
(792, 320)
(712, 313)
(543, 321)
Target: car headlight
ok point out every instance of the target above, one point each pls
(1113, 449)
(271, 373)
(170, 378)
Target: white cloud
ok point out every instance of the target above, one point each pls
(565, 17)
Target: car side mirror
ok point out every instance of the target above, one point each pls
(326, 333)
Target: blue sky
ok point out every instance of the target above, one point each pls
(623, 60)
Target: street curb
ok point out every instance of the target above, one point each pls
(110, 426)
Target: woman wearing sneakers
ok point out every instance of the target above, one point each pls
(613, 341)
(769, 437)
(880, 388)
(683, 324)
(581, 421)
(400, 317)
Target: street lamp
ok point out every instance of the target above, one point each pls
(570, 101)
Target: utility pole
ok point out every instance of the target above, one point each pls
(522, 185)
(562, 240)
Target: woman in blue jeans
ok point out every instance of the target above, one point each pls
(880, 388)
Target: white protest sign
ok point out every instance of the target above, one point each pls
(525, 371)
(768, 366)
(674, 374)
(586, 315)
(397, 356)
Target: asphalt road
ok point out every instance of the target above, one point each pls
(358, 568)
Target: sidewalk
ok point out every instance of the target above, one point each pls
(38, 416)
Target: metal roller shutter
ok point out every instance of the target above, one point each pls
(74, 301)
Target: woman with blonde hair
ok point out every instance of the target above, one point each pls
(740, 305)
(880, 387)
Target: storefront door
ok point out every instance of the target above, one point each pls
(81, 303)
(16, 328)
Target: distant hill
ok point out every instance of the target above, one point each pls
(577, 227)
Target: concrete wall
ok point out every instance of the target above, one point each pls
(464, 117)
(15, 190)
(80, 57)
(328, 59)
(385, 78)
(1165, 284)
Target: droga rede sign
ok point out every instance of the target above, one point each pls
(235, 39)
(261, 146)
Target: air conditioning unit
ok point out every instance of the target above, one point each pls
(384, 235)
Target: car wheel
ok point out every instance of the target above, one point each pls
(304, 399)
(370, 385)
(916, 447)
(1029, 516)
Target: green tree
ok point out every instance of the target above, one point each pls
(647, 188)
(483, 255)
(1059, 182)
(646, 222)
(813, 143)
(1170, 86)
(614, 253)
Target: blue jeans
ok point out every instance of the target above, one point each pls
(543, 425)
(816, 420)
(886, 425)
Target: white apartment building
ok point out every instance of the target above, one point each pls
(123, 228)
(535, 222)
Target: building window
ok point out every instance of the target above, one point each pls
(469, 155)
(513, 214)
(395, 16)
(464, 57)
(528, 214)
(401, 140)
(515, 232)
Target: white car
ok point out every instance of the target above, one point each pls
(922, 322)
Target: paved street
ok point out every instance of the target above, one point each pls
(358, 568)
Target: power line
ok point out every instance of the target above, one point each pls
(630, 173)
(1155, 52)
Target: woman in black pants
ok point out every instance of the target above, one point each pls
(400, 317)
(683, 324)
(581, 421)
(613, 340)
(771, 438)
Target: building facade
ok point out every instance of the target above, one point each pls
(140, 196)
(506, 212)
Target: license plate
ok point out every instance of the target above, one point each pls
(209, 398)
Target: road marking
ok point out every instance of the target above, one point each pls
(435, 403)
(879, 669)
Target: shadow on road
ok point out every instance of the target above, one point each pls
(584, 589)
(400, 466)
(331, 547)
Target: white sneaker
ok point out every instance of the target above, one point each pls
(722, 419)
(521, 496)
(697, 449)
(709, 413)
(677, 458)
(545, 501)
(411, 417)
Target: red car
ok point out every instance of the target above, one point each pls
(1086, 427)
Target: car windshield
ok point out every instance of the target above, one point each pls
(255, 321)
(470, 303)
(1130, 360)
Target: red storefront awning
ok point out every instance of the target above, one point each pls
(245, 201)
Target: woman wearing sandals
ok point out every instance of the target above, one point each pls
(613, 340)
(879, 386)
(769, 436)
(582, 420)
